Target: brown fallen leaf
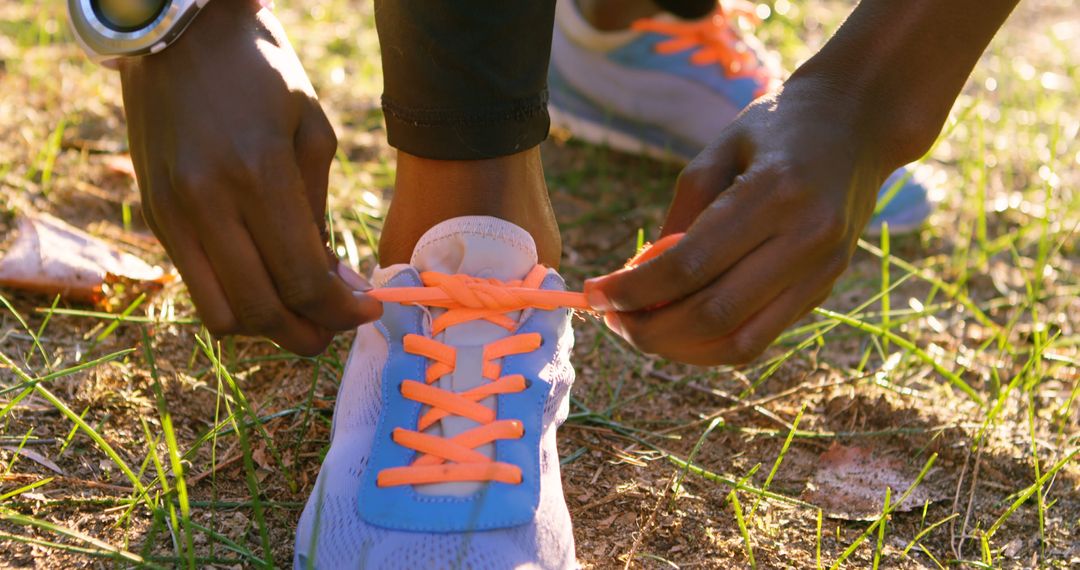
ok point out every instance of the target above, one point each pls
(51, 257)
(120, 164)
(850, 484)
(260, 458)
(36, 458)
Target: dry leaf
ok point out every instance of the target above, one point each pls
(259, 455)
(120, 164)
(49, 256)
(850, 484)
(37, 458)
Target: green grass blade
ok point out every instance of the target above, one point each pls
(733, 498)
(779, 459)
(927, 531)
(26, 488)
(245, 447)
(174, 452)
(693, 453)
(710, 476)
(124, 314)
(35, 337)
(907, 345)
(1028, 492)
(881, 531)
(14, 517)
(77, 420)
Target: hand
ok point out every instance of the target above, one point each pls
(232, 153)
(772, 211)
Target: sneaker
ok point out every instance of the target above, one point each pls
(442, 448)
(902, 202)
(631, 90)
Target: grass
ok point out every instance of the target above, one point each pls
(956, 349)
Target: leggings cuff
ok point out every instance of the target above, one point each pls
(475, 133)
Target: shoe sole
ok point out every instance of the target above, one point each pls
(599, 134)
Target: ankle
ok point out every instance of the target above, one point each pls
(614, 15)
(427, 192)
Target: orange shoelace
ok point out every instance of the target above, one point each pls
(714, 39)
(466, 298)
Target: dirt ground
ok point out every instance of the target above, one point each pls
(993, 303)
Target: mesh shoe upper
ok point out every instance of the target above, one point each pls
(346, 524)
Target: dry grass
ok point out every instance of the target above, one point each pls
(988, 293)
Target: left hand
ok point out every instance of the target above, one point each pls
(772, 212)
(232, 152)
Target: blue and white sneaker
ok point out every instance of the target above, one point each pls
(640, 91)
(442, 450)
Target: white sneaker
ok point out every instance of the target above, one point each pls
(442, 450)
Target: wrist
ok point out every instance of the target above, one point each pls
(904, 64)
(218, 24)
(887, 123)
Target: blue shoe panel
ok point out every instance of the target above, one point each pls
(496, 505)
(641, 53)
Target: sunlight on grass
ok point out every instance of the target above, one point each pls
(131, 438)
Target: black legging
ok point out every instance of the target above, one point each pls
(467, 79)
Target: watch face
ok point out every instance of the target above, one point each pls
(111, 29)
(128, 15)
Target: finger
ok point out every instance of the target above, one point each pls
(733, 225)
(177, 238)
(352, 279)
(688, 351)
(155, 227)
(191, 261)
(721, 307)
(316, 145)
(251, 292)
(752, 339)
(286, 234)
(817, 302)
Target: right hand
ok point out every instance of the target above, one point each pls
(772, 212)
(232, 152)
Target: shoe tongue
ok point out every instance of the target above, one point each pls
(485, 247)
(480, 246)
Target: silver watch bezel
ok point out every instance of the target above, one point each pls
(104, 44)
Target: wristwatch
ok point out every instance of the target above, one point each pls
(109, 30)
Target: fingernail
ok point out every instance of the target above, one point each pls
(612, 321)
(352, 278)
(595, 297)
